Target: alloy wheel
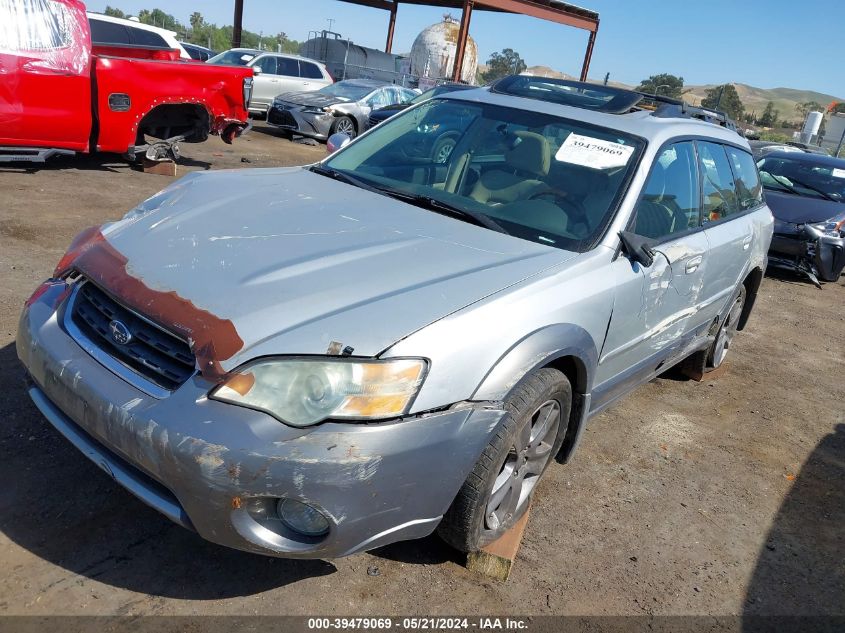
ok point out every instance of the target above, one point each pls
(727, 332)
(525, 462)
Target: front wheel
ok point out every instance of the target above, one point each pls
(727, 331)
(343, 125)
(443, 149)
(497, 491)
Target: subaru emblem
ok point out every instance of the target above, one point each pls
(120, 334)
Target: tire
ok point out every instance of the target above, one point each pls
(442, 150)
(727, 331)
(539, 418)
(345, 125)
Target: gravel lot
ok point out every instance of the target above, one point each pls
(714, 497)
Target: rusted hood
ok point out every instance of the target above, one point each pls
(285, 261)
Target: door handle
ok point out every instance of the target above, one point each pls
(692, 265)
(746, 243)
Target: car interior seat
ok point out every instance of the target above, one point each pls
(526, 163)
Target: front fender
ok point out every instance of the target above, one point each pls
(538, 349)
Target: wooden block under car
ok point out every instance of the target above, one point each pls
(710, 375)
(160, 168)
(496, 559)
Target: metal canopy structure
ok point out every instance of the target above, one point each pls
(551, 10)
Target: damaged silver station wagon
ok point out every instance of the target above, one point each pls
(320, 360)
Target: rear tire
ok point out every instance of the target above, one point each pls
(496, 493)
(727, 331)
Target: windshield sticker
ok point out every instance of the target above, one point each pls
(593, 152)
(838, 173)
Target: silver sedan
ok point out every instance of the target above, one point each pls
(341, 107)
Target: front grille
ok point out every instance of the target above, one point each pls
(278, 116)
(153, 353)
(373, 121)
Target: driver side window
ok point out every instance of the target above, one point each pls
(670, 200)
(267, 64)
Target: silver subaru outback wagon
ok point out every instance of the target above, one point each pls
(320, 360)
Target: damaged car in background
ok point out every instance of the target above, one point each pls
(63, 92)
(341, 108)
(806, 193)
(317, 361)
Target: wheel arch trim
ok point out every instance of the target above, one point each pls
(558, 344)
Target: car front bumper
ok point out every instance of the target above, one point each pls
(790, 244)
(293, 119)
(204, 463)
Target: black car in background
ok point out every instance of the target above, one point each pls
(382, 114)
(806, 194)
(197, 52)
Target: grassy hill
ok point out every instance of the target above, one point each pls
(755, 99)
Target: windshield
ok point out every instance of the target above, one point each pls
(232, 58)
(348, 91)
(803, 177)
(540, 177)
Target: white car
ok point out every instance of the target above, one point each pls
(106, 29)
(275, 73)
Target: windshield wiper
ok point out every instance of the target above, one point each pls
(801, 183)
(426, 202)
(342, 176)
(438, 206)
(785, 185)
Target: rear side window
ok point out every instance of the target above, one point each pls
(140, 37)
(310, 71)
(35, 25)
(267, 64)
(670, 200)
(749, 191)
(717, 182)
(109, 33)
(287, 66)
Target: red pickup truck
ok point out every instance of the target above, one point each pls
(60, 95)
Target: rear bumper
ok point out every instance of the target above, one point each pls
(203, 463)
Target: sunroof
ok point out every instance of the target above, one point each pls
(572, 93)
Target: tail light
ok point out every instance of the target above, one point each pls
(247, 91)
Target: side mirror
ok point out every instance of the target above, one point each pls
(256, 70)
(336, 141)
(637, 247)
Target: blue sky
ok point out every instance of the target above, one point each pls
(764, 43)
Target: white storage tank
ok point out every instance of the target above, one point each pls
(433, 52)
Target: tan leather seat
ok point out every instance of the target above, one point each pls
(527, 161)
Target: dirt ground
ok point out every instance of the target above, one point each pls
(725, 496)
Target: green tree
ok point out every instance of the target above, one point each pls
(663, 84)
(197, 21)
(508, 62)
(115, 13)
(726, 99)
(159, 18)
(808, 106)
(769, 118)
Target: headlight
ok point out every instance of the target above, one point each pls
(305, 391)
(835, 227)
(314, 110)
